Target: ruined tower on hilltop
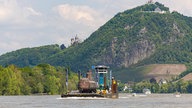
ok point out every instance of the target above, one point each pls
(75, 41)
(150, 1)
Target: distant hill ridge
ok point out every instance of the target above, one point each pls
(147, 34)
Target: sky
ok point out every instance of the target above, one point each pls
(33, 23)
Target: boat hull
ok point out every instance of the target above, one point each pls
(82, 95)
(109, 95)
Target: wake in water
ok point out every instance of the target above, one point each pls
(123, 97)
(82, 98)
(87, 98)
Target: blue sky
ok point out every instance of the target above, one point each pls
(32, 23)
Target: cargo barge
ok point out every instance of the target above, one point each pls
(101, 87)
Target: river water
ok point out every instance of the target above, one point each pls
(125, 101)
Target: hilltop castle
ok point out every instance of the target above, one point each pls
(75, 41)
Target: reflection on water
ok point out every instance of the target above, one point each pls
(125, 101)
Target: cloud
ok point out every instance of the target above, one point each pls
(31, 11)
(80, 14)
(6, 9)
(4, 14)
(76, 12)
(19, 25)
(12, 12)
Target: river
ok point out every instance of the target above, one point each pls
(124, 101)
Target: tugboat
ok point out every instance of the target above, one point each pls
(102, 87)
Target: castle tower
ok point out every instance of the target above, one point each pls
(150, 1)
(72, 41)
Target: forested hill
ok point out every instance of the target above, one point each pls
(148, 34)
(29, 56)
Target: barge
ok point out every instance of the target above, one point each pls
(101, 87)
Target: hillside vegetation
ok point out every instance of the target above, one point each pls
(29, 56)
(148, 34)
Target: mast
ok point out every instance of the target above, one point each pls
(67, 79)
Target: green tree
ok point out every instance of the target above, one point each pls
(40, 87)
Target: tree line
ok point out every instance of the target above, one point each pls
(40, 79)
(169, 87)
